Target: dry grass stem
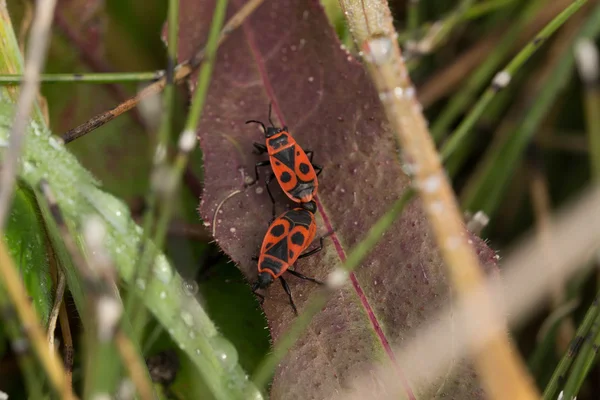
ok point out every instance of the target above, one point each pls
(501, 370)
(134, 365)
(56, 306)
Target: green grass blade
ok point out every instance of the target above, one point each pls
(507, 73)
(486, 189)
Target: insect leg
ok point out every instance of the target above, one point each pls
(270, 115)
(289, 293)
(260, 296)
(259, 147)
(267, 181)
(313, 251)
(318, 168)
(299, 275)
(310, 154)
(260, 164)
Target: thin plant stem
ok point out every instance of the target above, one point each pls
(182, 72)
(477, 10)
(34, 63)
(109, 77)
(265, 369)
(168, 104)
(160, 156)
(60, 283)
(482, 74)
(564, 364)
(480, 9)
(440, 31)
(588, 60)
(503, 78)
(135, 365)
(583, 362)
(187, 142)
(67, 339)
(412, 18)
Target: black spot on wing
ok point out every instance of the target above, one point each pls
(304, 168)
(291, 254)
(277, 230)
(298, 239)
(285, 177)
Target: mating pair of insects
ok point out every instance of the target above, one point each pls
(293, 231)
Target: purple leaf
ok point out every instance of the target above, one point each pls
(286, 53)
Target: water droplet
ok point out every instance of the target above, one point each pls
(187, 318)
(112, 209)
(190, 288)
(162, 270)
(225, 352)
(378, 50)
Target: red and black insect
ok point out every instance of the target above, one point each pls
(290, 164)
(287, 237)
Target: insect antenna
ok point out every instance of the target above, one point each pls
(258, 122)
(272, 124)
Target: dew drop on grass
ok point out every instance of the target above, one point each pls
(162, 270)
(112, 209)
(190, 288)
(187, 318)
(225, 351)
